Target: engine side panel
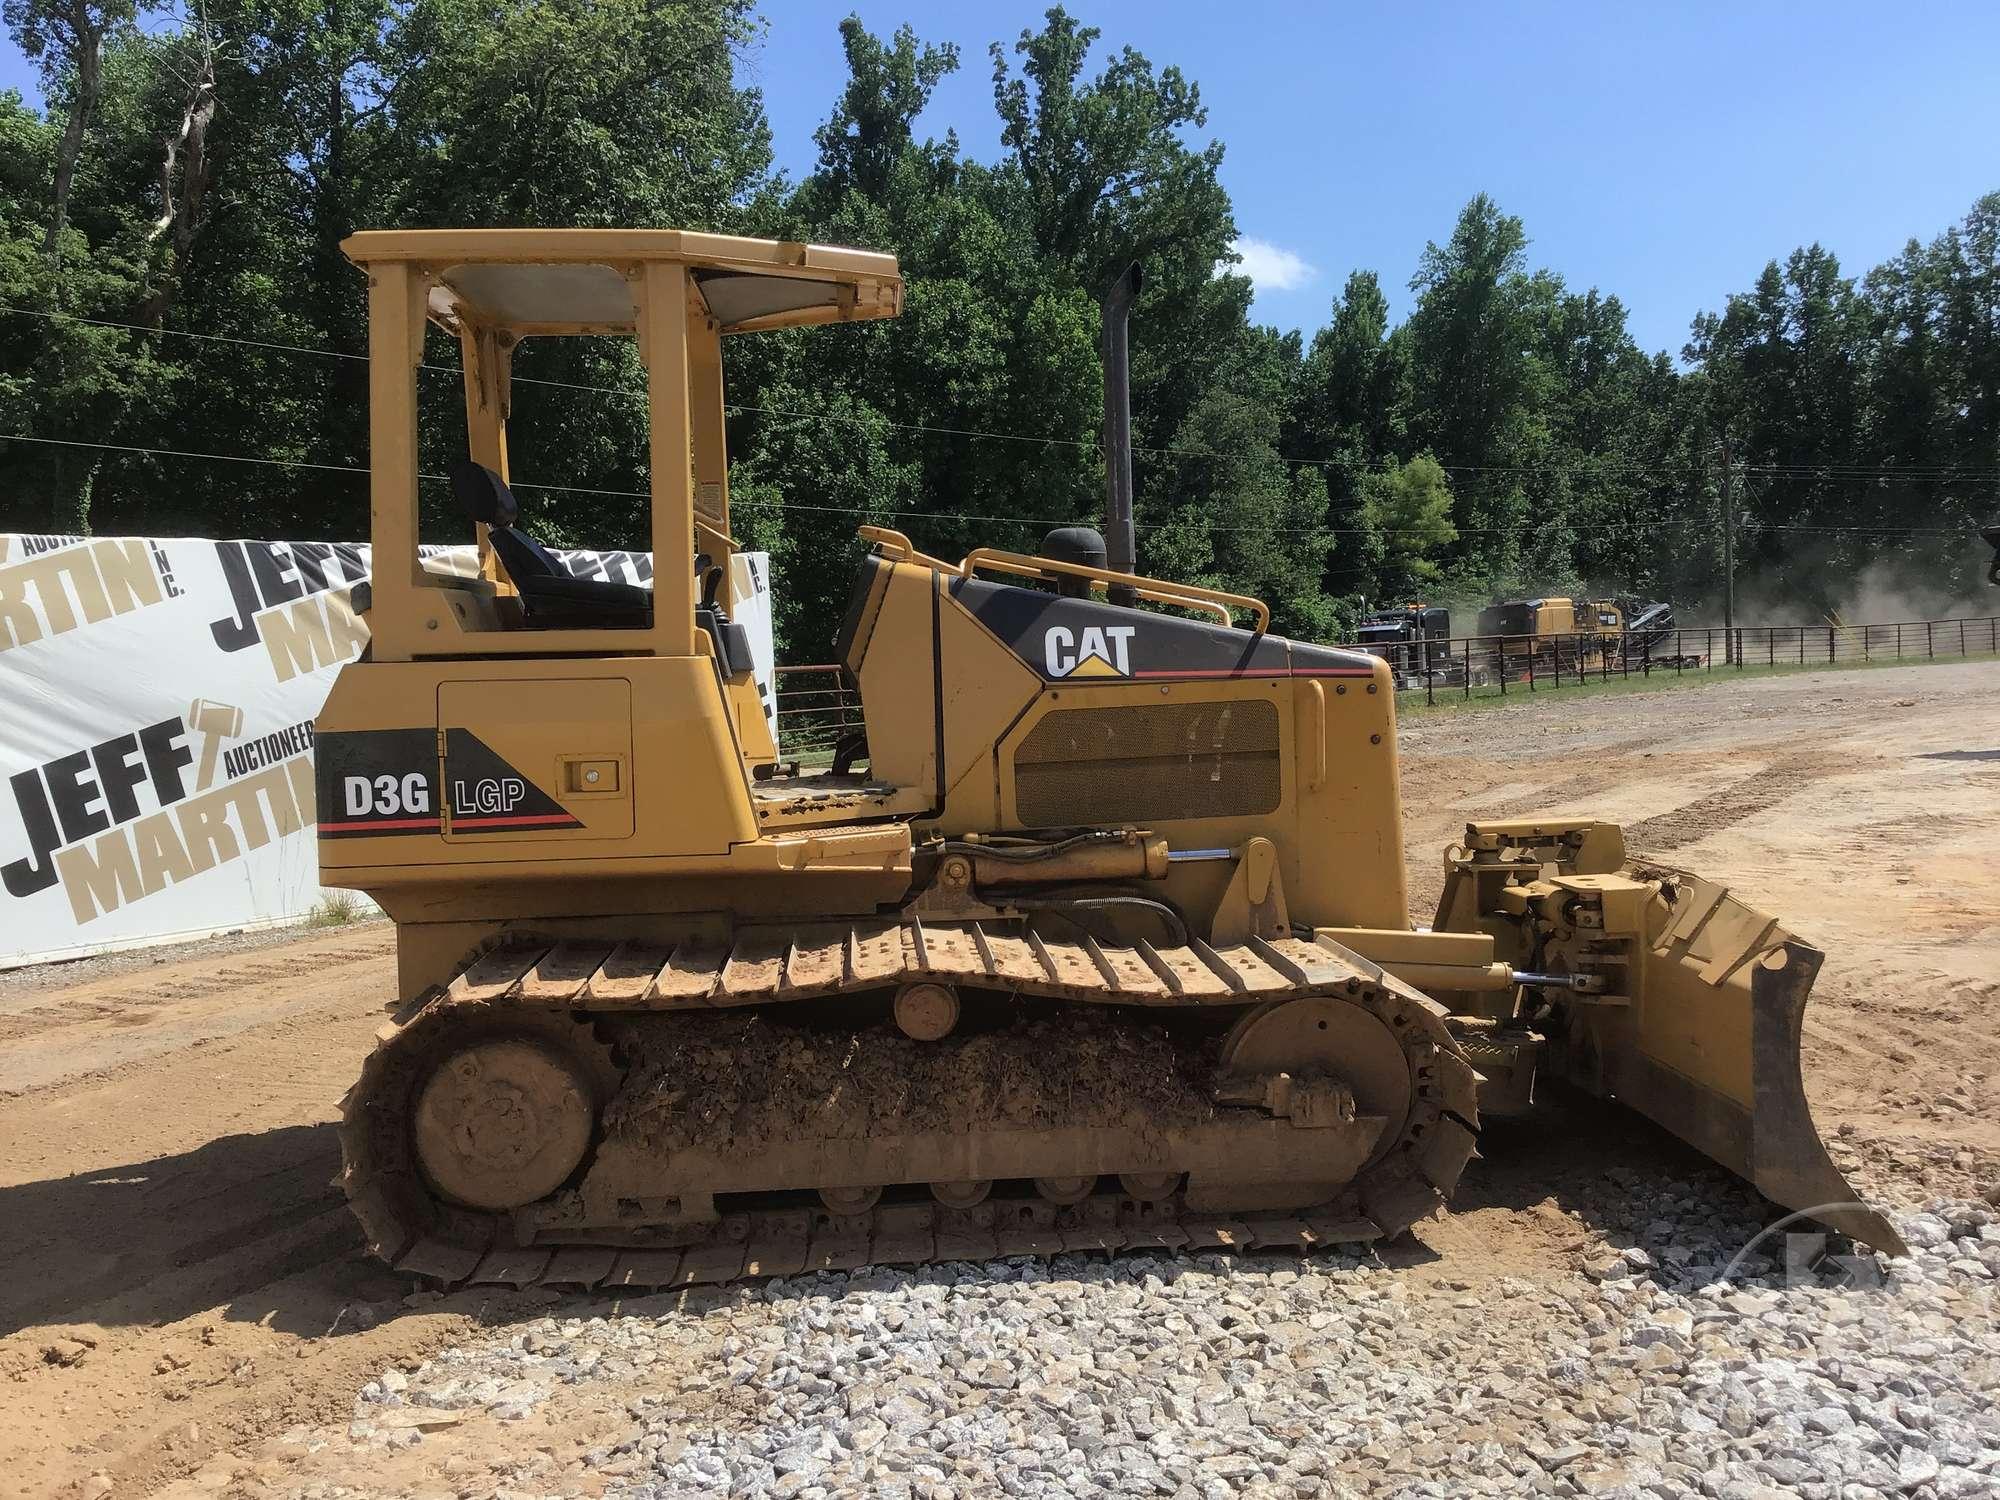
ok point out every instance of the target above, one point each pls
(1208, 735)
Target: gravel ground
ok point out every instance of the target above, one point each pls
(1667, 1356)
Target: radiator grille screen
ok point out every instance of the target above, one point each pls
(1148, 763)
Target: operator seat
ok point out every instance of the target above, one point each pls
(550, 597)
(553, 599)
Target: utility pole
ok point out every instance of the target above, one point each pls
(1728, 554)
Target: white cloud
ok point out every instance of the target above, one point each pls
(1271, 268)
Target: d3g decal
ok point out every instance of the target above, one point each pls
(377, 781)
(1093, 651)
(389, 781)
(386, 796)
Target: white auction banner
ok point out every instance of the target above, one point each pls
(157, 698)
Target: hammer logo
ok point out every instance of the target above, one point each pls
(214, 722)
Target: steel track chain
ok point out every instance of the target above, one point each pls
(407, 1225)
(792, 1242)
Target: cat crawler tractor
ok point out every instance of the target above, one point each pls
(1100, 941)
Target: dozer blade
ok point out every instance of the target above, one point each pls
(1708, 1047)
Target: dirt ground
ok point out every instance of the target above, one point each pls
(182, 1282)
(1861, 807)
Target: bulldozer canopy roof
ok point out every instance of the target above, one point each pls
(575, 280)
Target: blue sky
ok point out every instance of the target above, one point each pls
(1661, 152)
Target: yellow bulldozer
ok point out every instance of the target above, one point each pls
(1557, 636)
(1099, 941)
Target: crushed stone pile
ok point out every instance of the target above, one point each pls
(1640, 1371)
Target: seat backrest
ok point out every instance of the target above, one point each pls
(523, 557)
(483, 493)
(486, 497)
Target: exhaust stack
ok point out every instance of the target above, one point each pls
(1120, 542)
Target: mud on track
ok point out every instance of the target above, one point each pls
(178, 1279)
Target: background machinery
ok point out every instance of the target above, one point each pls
(1653, 637)
(1556, 635)
(1415, 640)
(1101, 940)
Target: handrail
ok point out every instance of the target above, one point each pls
(884, 536)
(721, 536)
(1158, 590)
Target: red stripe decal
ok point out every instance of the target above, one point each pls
(1264, 672)
(340, 827)
(510, 820)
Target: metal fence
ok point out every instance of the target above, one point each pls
(817, 705)
(1497, 666)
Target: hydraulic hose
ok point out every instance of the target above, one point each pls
(1067, 905)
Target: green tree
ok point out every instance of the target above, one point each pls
(1105, 176)
(823, 465)
(67, 39)
(116, 222)
(569, 113)
(1229, 510)
(1408, 511)
(865, 140)
(991, 376)
(1346, 414)
(1479, 388)
(1785, 381)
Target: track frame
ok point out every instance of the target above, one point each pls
(571, 994)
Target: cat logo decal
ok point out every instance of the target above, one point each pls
(1094, 651)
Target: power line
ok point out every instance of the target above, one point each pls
(1918, 473)
(523, 484)
(227, 458)
(182, 333)
(749, 503)
(568, 385)
(752, 503)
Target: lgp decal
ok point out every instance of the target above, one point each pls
(490, 796)
(1094, 651)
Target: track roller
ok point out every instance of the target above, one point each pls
(961, 1194)
(1065, 1191)
(927, 1012)
(1149, 1187)
(503, 1122)
(850, 1200)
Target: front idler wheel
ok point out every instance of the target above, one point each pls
(504, 1122)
